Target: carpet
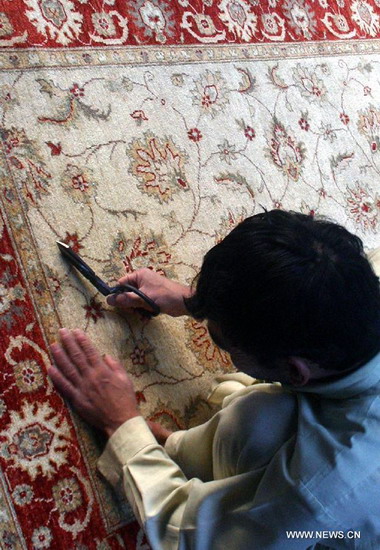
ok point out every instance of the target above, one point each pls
(140, 134)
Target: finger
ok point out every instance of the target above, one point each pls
(112, 363)
(64, 366)
(127, 300)
(62, 384)
(130, 279)
(72, 349)
(92, 355)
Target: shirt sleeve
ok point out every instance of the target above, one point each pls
(184, 512)
(194, 450)
(177, 513)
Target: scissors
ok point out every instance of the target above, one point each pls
(103, 288)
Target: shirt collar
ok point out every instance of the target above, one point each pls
(358, 381)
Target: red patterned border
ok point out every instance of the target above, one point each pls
(83, 23)
(41, 467)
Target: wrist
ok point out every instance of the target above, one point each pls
(180, 307)
(110, 429)
(159, 432)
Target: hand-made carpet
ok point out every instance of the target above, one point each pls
(140, 133)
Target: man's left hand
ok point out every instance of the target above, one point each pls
(98, 387)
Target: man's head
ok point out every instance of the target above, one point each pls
(284, 286)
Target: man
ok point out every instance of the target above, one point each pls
(294, 300)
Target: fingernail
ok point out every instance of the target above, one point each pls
(111, 300)
(63, 330)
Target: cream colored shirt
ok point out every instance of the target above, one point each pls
(272, 463)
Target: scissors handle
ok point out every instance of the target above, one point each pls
(129, 288)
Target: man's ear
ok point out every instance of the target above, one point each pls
(299, 371)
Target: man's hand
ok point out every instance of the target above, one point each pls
(98, 387)
(166, 293)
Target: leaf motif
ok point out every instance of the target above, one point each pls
(241, 124)
(252, 110)
(248, 82)
(229, 177)
(275, 79)
(47, 87)
(341, 161)
(97, 114)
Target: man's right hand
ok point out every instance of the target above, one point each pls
(167, 294)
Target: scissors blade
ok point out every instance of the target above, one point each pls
(83, 268)
(103, 288)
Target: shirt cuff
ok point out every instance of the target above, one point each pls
(128, 440)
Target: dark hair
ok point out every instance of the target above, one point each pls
(284, 283)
